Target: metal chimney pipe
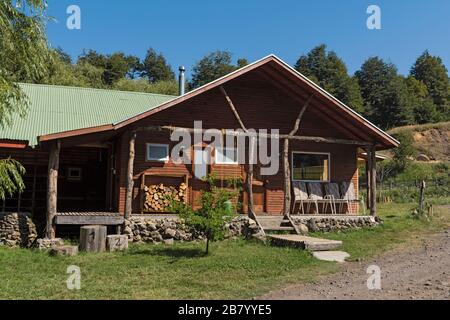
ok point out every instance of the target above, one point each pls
(181, 80)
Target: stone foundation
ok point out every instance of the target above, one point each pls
(166, 230)
(17, 229)
(325, 224)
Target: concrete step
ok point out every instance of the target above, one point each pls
(336, 256)
(304, 242)
(278, 228)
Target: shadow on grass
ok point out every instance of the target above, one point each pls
(172, 252)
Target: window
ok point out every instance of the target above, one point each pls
(74, 174)
(310, 166)
(226, 156)
(157, 152)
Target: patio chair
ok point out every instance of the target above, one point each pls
(315, 193)
(301, 197)
(348, 193)
(332, 190)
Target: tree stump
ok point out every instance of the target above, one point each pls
(116, 242)
(93, 238)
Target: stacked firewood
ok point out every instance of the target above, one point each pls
(157, 196)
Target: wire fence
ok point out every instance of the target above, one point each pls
(436, 190)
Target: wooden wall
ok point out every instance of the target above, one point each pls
(261, 106)
(88, 194)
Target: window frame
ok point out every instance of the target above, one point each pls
(72, 178)
(311, 152)
(147, 153)
(223, 162)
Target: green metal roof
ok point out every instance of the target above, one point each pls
(56, 109)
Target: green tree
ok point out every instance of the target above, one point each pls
(242, 62)
(385, 94)
(61, 72)
(11, 172)
(169, 87)
(93, 58)
(213, 66)
(216, 209)
(115, 66)
(23, 56)
(327, 70)
(422, 104)
(404, 152)
(155, 67)
(23, 53)
(63, 56)
(433, 73)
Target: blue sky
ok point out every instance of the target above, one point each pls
(184, 31)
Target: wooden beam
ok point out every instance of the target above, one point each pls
(52, 188)
(287, 179)
(130, 181)
(373, 181)
(367, 179)
(86, 220)
(251, 153)
(233, 108)
(286, 164)
(286, 86)
(249, 179)
(300, 116)
(264, 135)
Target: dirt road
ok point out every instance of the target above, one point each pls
(422, 272)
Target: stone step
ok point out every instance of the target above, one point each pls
(304, 242)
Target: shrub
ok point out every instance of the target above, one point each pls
(216, 209)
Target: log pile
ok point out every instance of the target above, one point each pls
(157, 197)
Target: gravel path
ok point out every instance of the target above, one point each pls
(422, 272)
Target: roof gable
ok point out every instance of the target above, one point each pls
(272, 63)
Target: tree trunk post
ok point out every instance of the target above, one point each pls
(422, 196)
(130, 182)
(52, 188)
(93, 238)
(287, 179)
(367, 178)
(373, 182)
(251, 155)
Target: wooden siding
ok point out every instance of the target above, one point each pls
(261, 105)
(90, 193)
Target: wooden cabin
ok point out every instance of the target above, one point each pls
(90, 154)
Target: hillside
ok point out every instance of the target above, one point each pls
(431, 140)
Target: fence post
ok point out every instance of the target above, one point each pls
(422, 196)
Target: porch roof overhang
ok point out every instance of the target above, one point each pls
(278, 71)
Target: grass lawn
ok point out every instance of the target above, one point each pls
(235, 269)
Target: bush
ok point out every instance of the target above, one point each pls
(405, 151)
(216, 209)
